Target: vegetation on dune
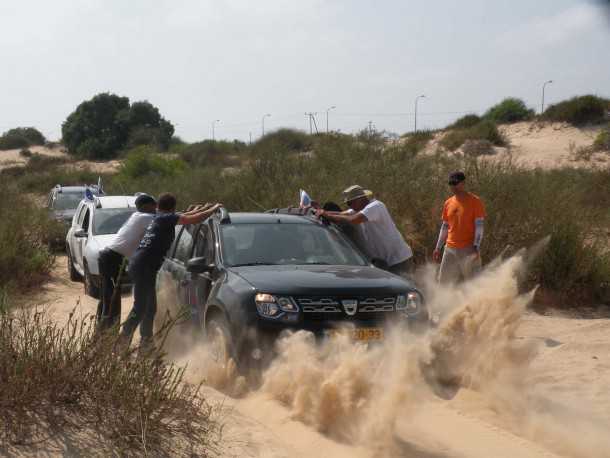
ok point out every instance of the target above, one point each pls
(21, 137)
(602, 141)
(99, 128)
(212, 153)
(466, 122)
(508, 111)
(484, 130)
(579, 111)
(70, 379)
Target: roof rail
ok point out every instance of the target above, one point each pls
(292, 211)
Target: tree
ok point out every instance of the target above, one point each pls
(509, 110)
(21, 137)
(99, 128)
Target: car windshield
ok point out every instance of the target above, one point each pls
(110, 220)
(67, 200)
(286, 244)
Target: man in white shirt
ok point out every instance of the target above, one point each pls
(379, 236)
(111, 258)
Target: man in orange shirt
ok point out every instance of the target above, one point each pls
(461, 233)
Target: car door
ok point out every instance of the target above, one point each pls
(81, 242)
(175, 277)
(70, 238)
(200, 284)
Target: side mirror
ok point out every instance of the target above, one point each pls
(199, 266)
(81, 233)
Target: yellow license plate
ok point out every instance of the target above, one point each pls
(360, 334)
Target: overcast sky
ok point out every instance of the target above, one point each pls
(236, 60)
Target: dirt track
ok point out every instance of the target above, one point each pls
(565, 410)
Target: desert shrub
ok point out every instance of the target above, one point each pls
(587, 109)
(509, 110)
(144, 161)
(416, 141)
(24, 229)
(477, 148)
(21, 137)
(25, 152)
(284, 140)
(212, 152)
(465, 122)
(485, 130)
(102, 126)
(67, 378)
(602, 140)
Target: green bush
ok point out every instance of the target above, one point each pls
(144, 161)
(414, 142)
(24, 228)
(485, 130)
(99, 128)
(212, 153)
(25, 152)
(508, 111)
(578, 111)
(465, 122)
(21, 137)
(602, 140)
(289, 140)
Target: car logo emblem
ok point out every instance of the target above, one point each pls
(350, 306)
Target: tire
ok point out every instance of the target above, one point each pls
(90, 288)
(219, 339)
(72, 272)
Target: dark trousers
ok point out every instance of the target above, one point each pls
(144, 303)
(109, 310)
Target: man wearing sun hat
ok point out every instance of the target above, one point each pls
(379, 236)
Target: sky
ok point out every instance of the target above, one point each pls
(237, 60)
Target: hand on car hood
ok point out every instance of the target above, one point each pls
(322, 280)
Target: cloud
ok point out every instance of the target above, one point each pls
(553, 31)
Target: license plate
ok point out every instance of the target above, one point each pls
(359, 334)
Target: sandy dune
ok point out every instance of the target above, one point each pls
(11, 158)
(562, 411)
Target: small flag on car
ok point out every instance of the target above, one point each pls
(304, 199)
(88, 194)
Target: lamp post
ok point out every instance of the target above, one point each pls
(327, 110)
(213, 129)
(416, 100)
(543, 88)
(263, 123)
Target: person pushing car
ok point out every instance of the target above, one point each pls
(378, 235)
(461, 233)
(147, 260)
(115, 254)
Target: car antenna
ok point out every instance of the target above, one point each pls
(255, 203)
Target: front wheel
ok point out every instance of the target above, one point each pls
(218, 338)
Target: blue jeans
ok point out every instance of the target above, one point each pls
(144, 303)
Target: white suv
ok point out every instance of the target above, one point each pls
(94, 226)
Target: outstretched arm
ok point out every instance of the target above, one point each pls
(198, 214)
(335, 217)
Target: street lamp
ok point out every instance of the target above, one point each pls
(331, 108)
(263, 123)
(213, 129)
(543, 87)
(416, 100)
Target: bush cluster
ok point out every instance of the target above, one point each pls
(67, 378)
(212, 153)
(144, 161)
(21, 137)
(578, 111)
(99, 128)
(508, 111)
(484, 130)
(602, 141)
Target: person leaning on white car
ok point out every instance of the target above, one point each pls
(111, 258)
(379, 236)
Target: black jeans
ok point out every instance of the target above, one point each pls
(144, 303)
(109, 314)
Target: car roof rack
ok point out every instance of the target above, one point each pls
(292, 211)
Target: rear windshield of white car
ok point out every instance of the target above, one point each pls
(286, 244)
(110, 220)
(68, 200)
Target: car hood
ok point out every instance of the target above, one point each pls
(322, 280)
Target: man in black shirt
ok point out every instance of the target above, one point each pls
(147, 260)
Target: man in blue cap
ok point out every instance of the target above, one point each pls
(115, 254)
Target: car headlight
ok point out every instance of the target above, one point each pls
(270, 306)
(410, 303)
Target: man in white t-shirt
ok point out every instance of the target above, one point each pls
(111, 258)
(379, 237)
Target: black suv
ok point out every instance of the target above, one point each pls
(245, 277)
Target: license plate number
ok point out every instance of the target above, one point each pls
(359, 334)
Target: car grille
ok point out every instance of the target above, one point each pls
(331, 307)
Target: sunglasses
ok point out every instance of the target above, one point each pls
(454, 183)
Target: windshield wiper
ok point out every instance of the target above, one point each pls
(245, 264)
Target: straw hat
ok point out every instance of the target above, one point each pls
(355, 192)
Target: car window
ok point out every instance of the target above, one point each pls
(203, 244)
(86, 218)
(67, 200)
(81, 215)
(110, 220)
(184, 246)
(287, 244)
